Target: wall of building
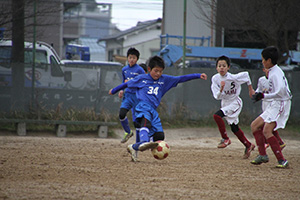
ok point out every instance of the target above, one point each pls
(50, 26)
(146, 49)
(145, 41)
(173, 19)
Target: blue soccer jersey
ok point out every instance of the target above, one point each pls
(151, 91)
(129, 73)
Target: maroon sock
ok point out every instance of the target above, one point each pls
(265, 140)
(241, 136)
(221, 126)
(276, 134)
(260, 142)
(275, 147)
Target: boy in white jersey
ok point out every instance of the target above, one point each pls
(263, 86)
(276, 113)
(227, 88)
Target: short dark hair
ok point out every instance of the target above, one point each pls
(272, 53)
(133, 51)
(144, 66)
(156, 61)
(223, 58)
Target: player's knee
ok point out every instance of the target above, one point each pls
(158, 136)
(143, 122)
(136, 125)
(123, 113)
(253, 128)
(234, 128)
(219, 113)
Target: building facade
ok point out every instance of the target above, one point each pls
(145, 37)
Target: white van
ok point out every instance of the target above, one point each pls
(48, 72)
(86, 74)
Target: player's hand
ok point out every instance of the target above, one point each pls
(110, 92)
(257, 97)
(121, 94)
(203, 76)
(251, 93)
(222, 85)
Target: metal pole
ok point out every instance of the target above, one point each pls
(184, 33)
(33, 54)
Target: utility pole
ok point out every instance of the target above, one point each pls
(33, 55)
(184, 33)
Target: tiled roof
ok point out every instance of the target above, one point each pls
(139, 26)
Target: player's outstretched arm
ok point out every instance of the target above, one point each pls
(188, 77)
(118, 88)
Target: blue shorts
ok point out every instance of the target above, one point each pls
(143, 109)
(129, 102)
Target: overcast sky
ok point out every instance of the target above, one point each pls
(126, 13)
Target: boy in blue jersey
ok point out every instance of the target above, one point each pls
(129, 100)
(150, 88)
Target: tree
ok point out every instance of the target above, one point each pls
(18, 23)
(253, 24)
(17, 95)
(44, 14)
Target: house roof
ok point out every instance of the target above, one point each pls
(138, 27)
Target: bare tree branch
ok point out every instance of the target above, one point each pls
(261, 22)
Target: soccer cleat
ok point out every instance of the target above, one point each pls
(224, 143)
(282, 146)
(260, 159)
(248, 151)
(282, 164)
(126, 137)
(132, 153)
(148, 145)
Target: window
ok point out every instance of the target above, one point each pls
(110, 55)
(5, 54)
(40, 57)
(56, 70)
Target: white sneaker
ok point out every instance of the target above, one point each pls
(148, 145)
(132, 153)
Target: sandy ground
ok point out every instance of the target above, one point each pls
(82, 166)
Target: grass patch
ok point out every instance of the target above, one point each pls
(178, 117)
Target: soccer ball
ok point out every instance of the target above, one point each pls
(161, 151)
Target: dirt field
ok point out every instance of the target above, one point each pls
(42, 166)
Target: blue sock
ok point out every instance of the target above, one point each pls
(136, 145)
(137, 138)
(143, 136)
(125, 124)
